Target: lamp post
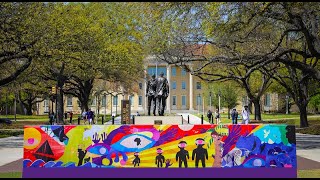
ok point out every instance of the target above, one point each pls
(116, 104)
(198, 103)
(287, 104)
(219, 94)
(210, 94)
(105, 105)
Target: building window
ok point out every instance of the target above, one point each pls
(183, 85)
(199, 100)
(115, 100)
(93, 102)
(46, 105)
(173, 71)
(198, 85)
(131, 100)
(267, 101)
(174, 85)
(174, 100)
(184, 103)
(183, 72)
(157, 71)
(103, 101)
(45, 102)
(140, 100)
(69, 101)
(140, 85)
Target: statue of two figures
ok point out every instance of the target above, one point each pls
(157, 93)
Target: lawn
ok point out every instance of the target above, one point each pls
(315, 173)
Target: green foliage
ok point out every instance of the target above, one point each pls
(229, 94)
(315, 102)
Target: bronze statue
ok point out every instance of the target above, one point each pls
(162, 93)
(151, 93)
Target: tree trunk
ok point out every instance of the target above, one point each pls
(257, 109)
(29, 110)
(228, 113)
(316, 110)
(60, 107)
(303, 115)
(85, 94)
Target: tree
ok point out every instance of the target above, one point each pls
(21, 30)
(115, 55)
(229, 94)
(300, 85)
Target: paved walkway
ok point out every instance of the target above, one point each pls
(11, 149)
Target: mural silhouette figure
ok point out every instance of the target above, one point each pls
(183, 154)
(162, 93)
(159, 158)
(200, 154)
(136, 161)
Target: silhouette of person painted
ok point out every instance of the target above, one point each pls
(151, 93)
(159, 158)
(138, 141)
(81, 155)
(183, 154)
(136, 160)
(200, 153)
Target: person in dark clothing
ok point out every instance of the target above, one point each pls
(65, 116)
(70, 115)
(182, 155)
(209, 115)
(151, 93)
(234, 116)
(160, 158)
(162, 93)
(200, 154)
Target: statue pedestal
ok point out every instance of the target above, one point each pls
(159, 120)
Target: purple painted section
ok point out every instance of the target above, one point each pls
(160, 173)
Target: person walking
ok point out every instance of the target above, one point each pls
(70, 115)
(217, 116)
(245, 115)
(209, 115)
(84, 116)
(234, 116)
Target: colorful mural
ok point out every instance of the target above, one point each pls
(160, 146)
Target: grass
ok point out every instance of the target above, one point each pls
(11, 175)
(314, 173)
(8, 133)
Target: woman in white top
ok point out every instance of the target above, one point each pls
(245, 115)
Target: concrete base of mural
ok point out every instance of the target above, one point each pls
(158, 120)
(160, 151)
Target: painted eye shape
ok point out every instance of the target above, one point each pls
(98, 150)
(31, 143)
(136, 141)
(32, 138)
